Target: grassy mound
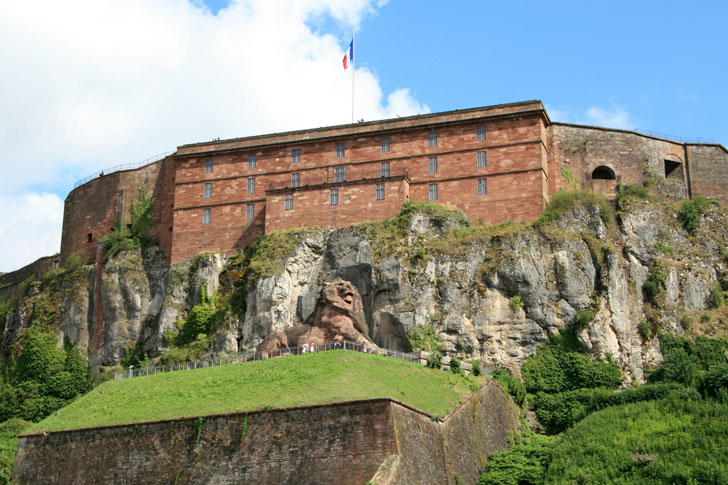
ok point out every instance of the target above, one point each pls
(288, 381)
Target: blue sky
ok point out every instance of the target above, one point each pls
(97, 83)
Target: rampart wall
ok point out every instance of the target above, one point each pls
(10, 282)
(351, 442)
(708, 170)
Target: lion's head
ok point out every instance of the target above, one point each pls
(341, 294)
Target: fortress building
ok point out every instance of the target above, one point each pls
(496, 163)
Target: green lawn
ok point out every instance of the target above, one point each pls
(288, 381)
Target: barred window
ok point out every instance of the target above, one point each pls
(432, 139)
(432, 192)
(251, 160)
(205, 216)
(295, 180)
(482, 160)
(334, 197)
(380, 191)
(208, 165)
(250, 211)
(480, 131)
(251, 185)
(339, 174)
(340, 150)
(482, 187)
(432, 165)
(385, 145)
(385, 169)
(288, 204)
(296, 155)
(207, 192)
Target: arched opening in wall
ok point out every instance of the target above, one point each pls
(604, 181)
(673, 170)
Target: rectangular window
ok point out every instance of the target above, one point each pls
(482, 160)
(207, 192)
(295, 180)
(432, 139)
(480, 133)
(340, 150)
(205, 216)
(250, 211)
(482, 187)
(385, 145)
(334, 197)
(339, 174)
(380, 191)
(385, 169)
(288, 204)
(251, 185)
(208, 165)
(296, 155)
(252, 159)
(432, 192)
(432, 165)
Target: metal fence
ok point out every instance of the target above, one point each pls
(119, 168)
(681, 139)
(262, 355)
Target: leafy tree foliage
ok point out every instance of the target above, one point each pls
(510, 384)
(525, 463)
(138, 235)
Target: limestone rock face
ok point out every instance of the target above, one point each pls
(467, 285)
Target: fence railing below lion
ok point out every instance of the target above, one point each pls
(265, 354)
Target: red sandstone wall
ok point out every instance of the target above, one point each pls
(10, 282)
(630, 155)
(357, 203)
(708, 166)
(94, 207)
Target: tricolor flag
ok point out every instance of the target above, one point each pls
(349, 56)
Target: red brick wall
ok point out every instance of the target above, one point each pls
(709, 170)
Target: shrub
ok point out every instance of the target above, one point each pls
(123, 238)
(559, 365)
(475, 370)
(525, 463)
(9, 431)
(425, 338)
(566, 200)
(583, 317)
(510, 384)
(183, 353)
(665, 249)
(516, 303)
(455, 365)
(644, 330)
(717, 297)
(654, 284)
(691, 212)
(632, 191)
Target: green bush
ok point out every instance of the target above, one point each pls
(665, 249)
(525, 463)
(680, 438)
(134, 356)
(583, 317)
(510, 384)
(425, 338)
(183, 353)
(123, 238)
(654, 284)
(632, 191)
(559, 365)
(691, 212)
(516, 303)
(567, 200)
(717, 296)
(9, 431)
(476, 368)
(455, 365)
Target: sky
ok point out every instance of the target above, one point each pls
(91, 84)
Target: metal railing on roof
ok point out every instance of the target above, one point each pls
(333, 177)
(119, 168)
(681, 139)
(265, 354)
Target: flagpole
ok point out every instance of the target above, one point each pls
(353, 71)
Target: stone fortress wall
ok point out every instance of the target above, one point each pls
(379, 440)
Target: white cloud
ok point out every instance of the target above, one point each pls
(616, 117)
(89, 84)
(31, 228)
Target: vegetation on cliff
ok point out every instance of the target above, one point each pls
(308, 379)
(9, 431)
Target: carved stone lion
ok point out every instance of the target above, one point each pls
(338, 315)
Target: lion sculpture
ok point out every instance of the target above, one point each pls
(334, 318)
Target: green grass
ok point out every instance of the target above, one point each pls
(288, 381)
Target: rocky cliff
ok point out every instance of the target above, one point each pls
(493, 293)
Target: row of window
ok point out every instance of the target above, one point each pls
(340, 173)
(432, 194)
(341, 149)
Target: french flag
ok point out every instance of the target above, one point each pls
(349, 56)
